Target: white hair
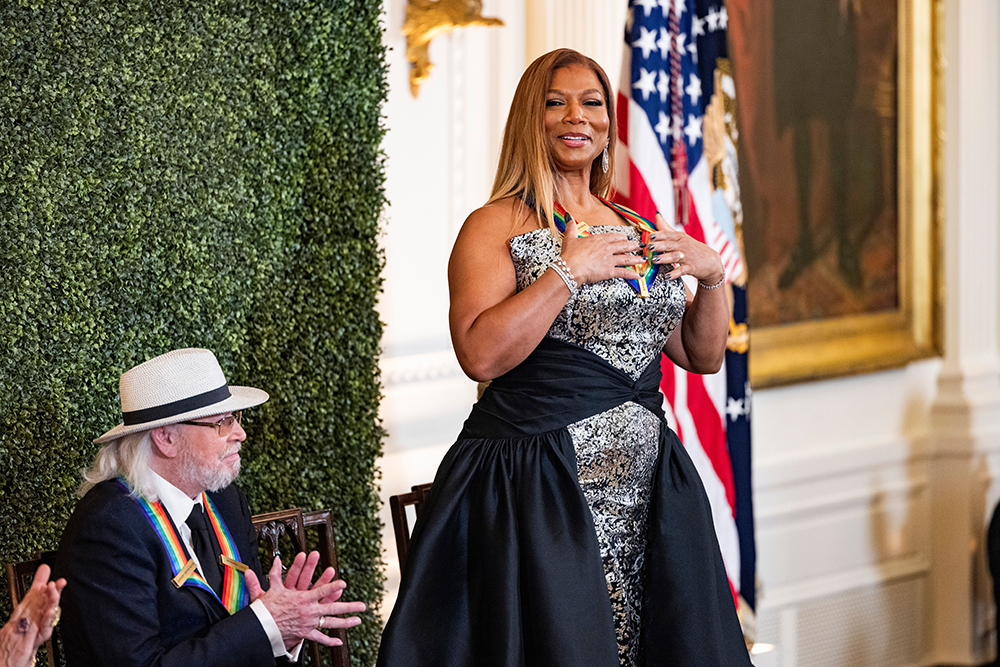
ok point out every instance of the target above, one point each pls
(128, 456)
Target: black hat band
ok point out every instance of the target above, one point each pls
(136, 417)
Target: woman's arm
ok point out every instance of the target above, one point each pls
(699, 343)
(493, 326)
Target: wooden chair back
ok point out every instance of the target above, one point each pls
(401, 522)
(293, 523)
(19, 578)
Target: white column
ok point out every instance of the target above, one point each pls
(595, 28)
(966, 413)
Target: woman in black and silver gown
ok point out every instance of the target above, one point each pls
(567, 526)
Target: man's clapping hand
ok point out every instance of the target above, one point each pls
(299, 607)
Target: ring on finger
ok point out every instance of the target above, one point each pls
(321, 619)
(57, 614)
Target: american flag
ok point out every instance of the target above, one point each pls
(677, 121)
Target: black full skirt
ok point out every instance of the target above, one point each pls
(504, 567)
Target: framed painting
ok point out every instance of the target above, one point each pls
(839, 176)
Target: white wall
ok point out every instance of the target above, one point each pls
(871, 491)
(442, 148)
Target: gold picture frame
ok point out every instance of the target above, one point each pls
(857, 343)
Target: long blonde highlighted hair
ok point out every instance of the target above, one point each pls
(526, 169)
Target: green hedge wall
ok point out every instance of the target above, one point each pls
(201, 173)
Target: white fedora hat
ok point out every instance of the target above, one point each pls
(177, 386)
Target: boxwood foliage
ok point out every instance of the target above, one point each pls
(201, 173)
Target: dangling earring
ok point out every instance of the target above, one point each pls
(604, 158)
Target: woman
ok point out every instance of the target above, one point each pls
(567, 526)
(31, 624)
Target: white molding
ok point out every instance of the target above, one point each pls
(782, 471)
(774, 515)
(426, 367)
(860, 577)
(858, 457)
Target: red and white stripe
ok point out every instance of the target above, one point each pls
(695, 404)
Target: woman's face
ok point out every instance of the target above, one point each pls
(576, 118)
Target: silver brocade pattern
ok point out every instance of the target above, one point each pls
(616, 450)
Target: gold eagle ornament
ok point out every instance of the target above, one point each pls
(426, 19)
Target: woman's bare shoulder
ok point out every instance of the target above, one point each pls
(501, 219)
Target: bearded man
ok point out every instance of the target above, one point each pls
(160, 554)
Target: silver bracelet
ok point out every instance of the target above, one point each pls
(562, 268)
(722, 281)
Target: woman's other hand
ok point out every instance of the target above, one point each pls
(687, 256)
(600, 256)
(31, 624)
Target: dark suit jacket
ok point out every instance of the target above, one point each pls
(120, 608)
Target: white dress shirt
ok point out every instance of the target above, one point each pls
(179, 507)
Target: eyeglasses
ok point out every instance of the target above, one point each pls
(224, 426)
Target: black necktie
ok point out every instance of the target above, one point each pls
(204, 548)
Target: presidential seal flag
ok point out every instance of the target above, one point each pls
(677, 121)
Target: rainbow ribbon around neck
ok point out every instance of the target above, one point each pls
(647, 270)
(235, 595)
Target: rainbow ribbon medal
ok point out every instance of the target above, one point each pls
(235, 595)
(647, 270)
(234, 589)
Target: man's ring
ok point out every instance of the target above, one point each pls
(56, 616)
(321, 619)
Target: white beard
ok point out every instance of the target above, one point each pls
(210, 479)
